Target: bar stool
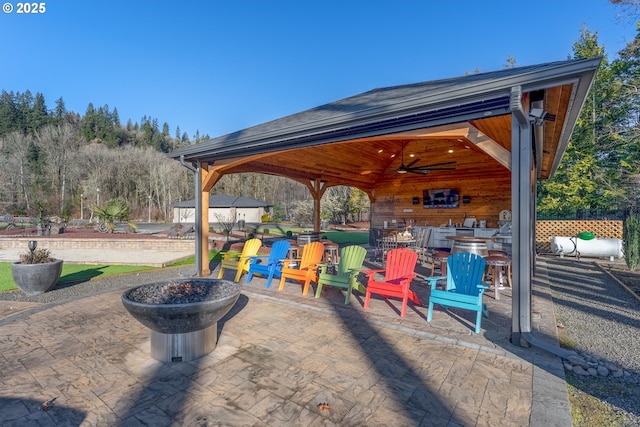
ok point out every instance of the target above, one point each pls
(294, 249)
(441, 257)
(496, 253)
(499, 264)
(330, 252)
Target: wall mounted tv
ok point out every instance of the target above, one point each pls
(440, 199)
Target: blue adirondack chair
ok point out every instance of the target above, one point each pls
(271, 265)
(464, 287)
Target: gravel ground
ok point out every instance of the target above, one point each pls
(598, 317)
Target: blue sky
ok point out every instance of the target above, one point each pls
(220, 66)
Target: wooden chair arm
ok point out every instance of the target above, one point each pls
(253, 259)
(353, 272)
(372, 273)
(227, 255)
(323, 267)
(433, 280)
(291, 259)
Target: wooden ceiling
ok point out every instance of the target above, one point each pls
(479, 148)
(365, 163)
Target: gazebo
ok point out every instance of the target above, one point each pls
(490, 136)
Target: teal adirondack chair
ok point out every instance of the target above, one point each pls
(464, 287)
(347, 270)
(269, 265)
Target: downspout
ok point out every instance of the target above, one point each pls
(521, 203)
(197, 178)
(538, 132)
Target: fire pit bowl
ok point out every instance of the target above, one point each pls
(182, 314)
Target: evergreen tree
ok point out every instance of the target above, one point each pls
(628, 68)
(116, 118)
(8, 113)
(60, 111)
(38, 116)
(88, 123)
(594, 166)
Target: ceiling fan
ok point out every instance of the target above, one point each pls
(422, 169)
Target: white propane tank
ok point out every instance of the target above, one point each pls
(596, 248)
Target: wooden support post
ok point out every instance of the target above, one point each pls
(316, 187)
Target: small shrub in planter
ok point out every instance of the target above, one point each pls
(37, 272)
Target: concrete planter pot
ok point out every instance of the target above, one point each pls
(36, 279)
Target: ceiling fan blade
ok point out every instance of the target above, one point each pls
(425, 170)
(420, 171)
(413, 163)
(439, 164)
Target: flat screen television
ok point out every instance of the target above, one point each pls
(440, 199)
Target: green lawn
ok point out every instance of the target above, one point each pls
(347, 237)
(82, 272)
(340, 237)
(72, 273)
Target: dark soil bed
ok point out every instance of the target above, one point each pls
(81, 233)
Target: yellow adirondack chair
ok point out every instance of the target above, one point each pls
(241, 263)
(306, 268)
(347, 270)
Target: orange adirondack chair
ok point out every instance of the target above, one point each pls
(401, 263)
(306, 268)
(241, 263)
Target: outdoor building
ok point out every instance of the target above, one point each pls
(488, 136)
(222, 207)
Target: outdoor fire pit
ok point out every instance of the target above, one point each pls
(182, 314)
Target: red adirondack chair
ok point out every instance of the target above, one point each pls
(399, 272)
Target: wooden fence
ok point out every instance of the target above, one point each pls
(546, 229)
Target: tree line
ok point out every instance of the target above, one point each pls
(600, 170)
(58, 162)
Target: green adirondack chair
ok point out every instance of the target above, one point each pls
(351, 260)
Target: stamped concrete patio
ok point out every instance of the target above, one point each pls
(281, 360)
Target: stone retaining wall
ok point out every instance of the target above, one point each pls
(123, 244)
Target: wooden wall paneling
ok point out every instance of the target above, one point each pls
(395, 201)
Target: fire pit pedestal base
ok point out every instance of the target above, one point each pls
(182, 314)
(183, 347)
